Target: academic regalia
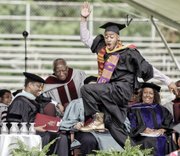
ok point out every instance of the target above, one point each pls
(151, 85)
(153, 116)
(33, 78)
(114, 95)
(67, 90)
(24, 108)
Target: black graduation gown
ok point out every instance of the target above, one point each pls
(23, 109)
(112, 98)
(153, 116)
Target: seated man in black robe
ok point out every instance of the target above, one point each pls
(25, 107)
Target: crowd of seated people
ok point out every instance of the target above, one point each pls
(147, 122)
(119, 67)
(151, 124)
(28, 102)
(66, 82)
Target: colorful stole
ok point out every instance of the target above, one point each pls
(106, 68)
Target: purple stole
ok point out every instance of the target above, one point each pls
(108, 69)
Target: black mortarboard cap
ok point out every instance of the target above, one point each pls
(151, 85)
(33, 77)
(114, 27)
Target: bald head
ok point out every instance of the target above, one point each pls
(60, 69)
(59, 61)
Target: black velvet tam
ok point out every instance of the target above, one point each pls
(151, 85)
(33, 77)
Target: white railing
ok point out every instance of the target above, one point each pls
(41, 54)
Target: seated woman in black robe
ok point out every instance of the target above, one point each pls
(152, 123)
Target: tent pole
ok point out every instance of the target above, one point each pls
(165, 43)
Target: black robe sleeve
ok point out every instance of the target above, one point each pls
(20, 109)
(168, 120)
(143, 69)
(137, 124)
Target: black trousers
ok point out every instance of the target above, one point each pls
(102, 97)
(88, 142)
(60, 147)
(118, 131)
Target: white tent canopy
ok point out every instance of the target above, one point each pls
(167, 11)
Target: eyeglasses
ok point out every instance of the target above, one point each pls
(59, 71)
(38, 85)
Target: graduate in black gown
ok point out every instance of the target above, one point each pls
(152, 123)
(119, 66)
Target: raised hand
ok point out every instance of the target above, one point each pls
(85, 10)
(173, 88)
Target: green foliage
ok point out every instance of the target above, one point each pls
(54, 27)
(128, 151)
(13, 25)
(60, 26)
(12, 9)
(23, 150)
